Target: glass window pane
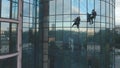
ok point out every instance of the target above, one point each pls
(59, 24)
(97, 18)
(27, 1)
(59, 18)
(26, 19)
(5, 10)
(52, 7)
(103, 25)
(59, 6)
(59, 35)
(97, 24)
(107, 20)
(8, 63)
(103, 8)
(66, 17)
(97, 7)
(8, 38)
(75, 7)
(5, 38)
(107, 10)
(103, 19)
(83, 24)
(15, 9)
(83, 17)
(66, 24)
(26, 10)
(51, 18)
(52, 24)
(83, 9)
(90, 5)
(31, 12)
(111, 8)
(108, 25)
(67, 6)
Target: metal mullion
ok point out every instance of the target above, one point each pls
(79, 24)
(79, 34)
(105, 33)
(41, 34)
(94, 32)
(87, 34)
(9, 20)
(29, 18)
(109, 14)
(19, 39)
(0, 7)
(100, 36)
(35, 38)
(114, 33)
(63, 22)
(8, 56)
(0, 21)
(10, 9)
(63, 25)
(10, 28)
(55, 20)
(70, 26)
(111, 45)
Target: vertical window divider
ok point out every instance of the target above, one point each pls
(87, 34)
(0, 22)
(70, 25)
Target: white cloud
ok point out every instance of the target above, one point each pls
(117, 13)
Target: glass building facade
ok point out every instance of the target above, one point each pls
(90, 46)
(10, 33)
(41, 32)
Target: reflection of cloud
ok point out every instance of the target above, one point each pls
(60, 8)
(117, 12)
(75, 10)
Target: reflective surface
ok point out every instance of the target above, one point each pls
(50, 40)
(8, 38)
(31, 41)
(90, 46)
(8, 63)
(9, 9)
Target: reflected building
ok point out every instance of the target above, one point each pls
(117, 29)
(39, 34)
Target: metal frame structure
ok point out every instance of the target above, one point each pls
(18, 54)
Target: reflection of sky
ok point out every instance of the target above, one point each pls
(5, 8)
(80, 7)
(4, 26)
(117, 9)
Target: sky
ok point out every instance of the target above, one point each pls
(117, 12)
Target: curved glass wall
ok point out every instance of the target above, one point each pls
(8, 38)
(90, 46)
(9, 9)
(9, 26)
(8, 30)
(31, 40)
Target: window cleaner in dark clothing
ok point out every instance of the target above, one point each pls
(88, 17)
(93, 16)
(76, 22)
